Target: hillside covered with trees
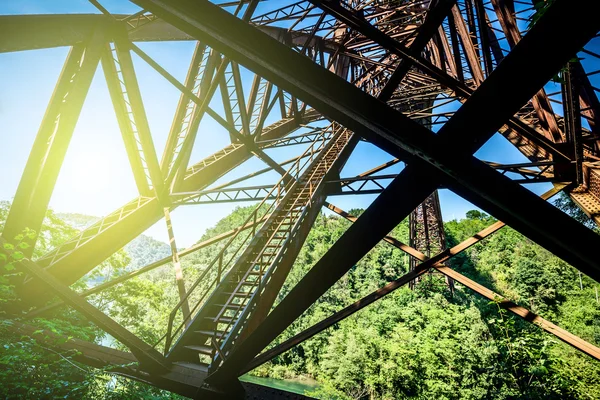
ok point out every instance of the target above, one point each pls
(424, 343)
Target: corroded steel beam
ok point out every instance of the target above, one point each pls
(254, 51)
(345, 103)
(434, 20)
(540, 101)
(412, 57)
(522, 312)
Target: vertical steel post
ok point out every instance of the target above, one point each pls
(185, 307)
(572, 115)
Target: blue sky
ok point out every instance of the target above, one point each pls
(95, 178)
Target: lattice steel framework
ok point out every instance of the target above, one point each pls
(330, 73)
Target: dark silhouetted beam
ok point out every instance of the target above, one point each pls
(368, 117)
(434, 262)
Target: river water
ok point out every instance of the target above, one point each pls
(299, 386)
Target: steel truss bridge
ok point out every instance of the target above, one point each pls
(329, 73)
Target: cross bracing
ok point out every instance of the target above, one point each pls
(429, 82)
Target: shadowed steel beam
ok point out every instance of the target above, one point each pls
(393, 132)
(434, 262)
(468, 47)
(455, 48)
(346, 104)
(30, 32)
(389, 239)
(409, 56)
(376, 184)
(148, 356)
(483, 35)
(45, 160)
(379, 167)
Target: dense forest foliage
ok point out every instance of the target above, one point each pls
(424, 343)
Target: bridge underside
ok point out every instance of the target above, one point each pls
(325, 75)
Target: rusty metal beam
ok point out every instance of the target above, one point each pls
(540, 101)
(460, 88)
(411, 57)
(483, 36)
(522, 312)
(456, 48)
(467, 44)
(255, 50)
(433, 21)
(572, 118)
(252, 50)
